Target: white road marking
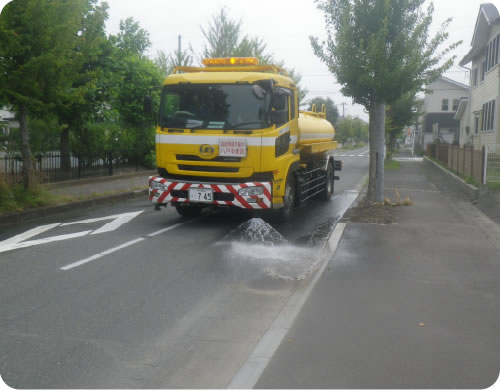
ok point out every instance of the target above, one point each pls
(165, 230)
(26, 244)
(18, 241)
(252, 369)
(26, 235)
(99, 255)
(128, 243)
(119, 219)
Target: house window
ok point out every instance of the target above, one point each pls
(456, 103)
(483, 70)
(474, 77)
(488, 116)
(492, 53)
(444, 105)
(476, 124)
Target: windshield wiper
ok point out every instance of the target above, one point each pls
(229, 126)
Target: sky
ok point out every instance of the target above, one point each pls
(284, 25)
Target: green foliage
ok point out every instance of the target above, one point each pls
(351, 131)
(391, 165)
(379, 50)
(223, 39)
(15, 198)
(332, 113)
(399, 115)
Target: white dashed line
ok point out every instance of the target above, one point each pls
(165, 230)
(99, 255)
(125, 245)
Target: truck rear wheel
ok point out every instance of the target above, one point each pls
(187, 210)
(329, 184)
(289, 199)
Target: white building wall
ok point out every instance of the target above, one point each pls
(439, 90)
(485, 91)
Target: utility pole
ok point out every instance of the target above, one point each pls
(343, 109)
(179, 52)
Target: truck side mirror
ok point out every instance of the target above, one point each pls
(279, 101)
(148, 105)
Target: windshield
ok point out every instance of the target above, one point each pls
(209, 106)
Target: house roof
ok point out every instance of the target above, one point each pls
(455, 83)
(488, 15)
(461, 108)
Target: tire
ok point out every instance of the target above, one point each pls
(289, 199)
(327, 193)
(187, 210)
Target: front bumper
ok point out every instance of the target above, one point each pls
(162, 191)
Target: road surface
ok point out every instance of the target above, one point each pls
(124, 296)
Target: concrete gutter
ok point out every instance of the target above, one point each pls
(472, 192)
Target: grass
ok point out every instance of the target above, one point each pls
(14, 198)
(494, 185)
(391, 165)
(353, 147)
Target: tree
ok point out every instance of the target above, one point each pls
(167, 63)
(351, 130)
(223, 40)
(222, 36)
(37, 38)
(133, 77)
(85, 93)
(332, 113)
(379, 50)
(398, 115)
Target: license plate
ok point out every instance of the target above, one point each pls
(201, 195)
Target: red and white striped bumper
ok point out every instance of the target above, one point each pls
(162, 191)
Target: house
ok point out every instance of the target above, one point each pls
(437, 112)
(8, 121)
(479, 114)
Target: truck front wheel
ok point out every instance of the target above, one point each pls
(289, 199)
(187, 210)
(329, 184)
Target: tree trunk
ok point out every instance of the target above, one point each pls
(65, 150)
(28, 174)
(377, 141)
(380, 155)
(370, 196)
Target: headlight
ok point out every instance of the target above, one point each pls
(251, 191)
(157, 185)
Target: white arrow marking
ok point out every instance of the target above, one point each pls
(24, 236)
(46, 240)
(119, 219)
(18, 241)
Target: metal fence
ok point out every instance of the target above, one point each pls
(53, 167)
(492, 173)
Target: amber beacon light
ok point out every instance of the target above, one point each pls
(230, 61)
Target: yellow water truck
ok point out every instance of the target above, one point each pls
(230, 134)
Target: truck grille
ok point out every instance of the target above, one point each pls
(198, 168)
(190, 157)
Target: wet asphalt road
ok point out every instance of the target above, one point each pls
(148, 299)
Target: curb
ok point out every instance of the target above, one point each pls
(23, 216)
(90, 180)
(471, 191)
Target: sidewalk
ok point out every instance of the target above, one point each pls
(414, 304)
(87, 193)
